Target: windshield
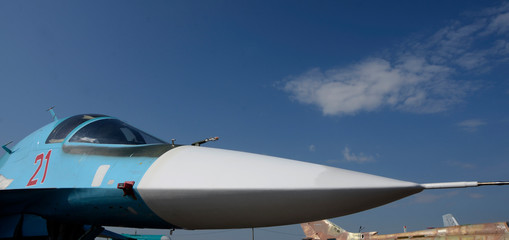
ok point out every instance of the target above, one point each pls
(113, 131)
(65, 127)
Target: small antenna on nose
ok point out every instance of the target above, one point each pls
(53, 115)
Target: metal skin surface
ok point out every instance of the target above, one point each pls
(325, 230)
(206, 188)
(68, 173)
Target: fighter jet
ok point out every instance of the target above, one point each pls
(96, 170)
(326, 230)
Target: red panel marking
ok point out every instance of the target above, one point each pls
(40, 158)
(46, 169)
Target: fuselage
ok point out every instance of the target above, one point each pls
(485, 231)
(71, 170)
(325, 230)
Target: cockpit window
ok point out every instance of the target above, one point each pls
(65, 127)
(113, 131)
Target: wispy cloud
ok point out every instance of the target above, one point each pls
(475, 195)
(312, 148)
(349, 156)
(431, 197)
(358, 158)
(471, 125)
(425, 198)
(418, 77)
(459, 164)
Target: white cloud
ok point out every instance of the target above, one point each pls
(359, 158)
(472, 60)
(499, 24)
(419, 78)
(425, 198)
(412, 84)
(471, 125)
(312, 148)
(459, 164)
(501, 47)
(475, 195)
(431, 198)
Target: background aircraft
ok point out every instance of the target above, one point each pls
(326, 230)
(92, 169)
(449, 220)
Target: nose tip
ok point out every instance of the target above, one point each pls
(205, 188)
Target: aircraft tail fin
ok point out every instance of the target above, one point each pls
(323, 229)
(449, 220)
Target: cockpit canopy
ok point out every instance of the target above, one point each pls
(99, 129)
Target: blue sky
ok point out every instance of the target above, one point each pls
(412, 90)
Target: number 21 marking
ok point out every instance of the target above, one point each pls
(40, 158)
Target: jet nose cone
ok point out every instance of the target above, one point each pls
(205, 188)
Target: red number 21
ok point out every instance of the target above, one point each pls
(40, 158)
